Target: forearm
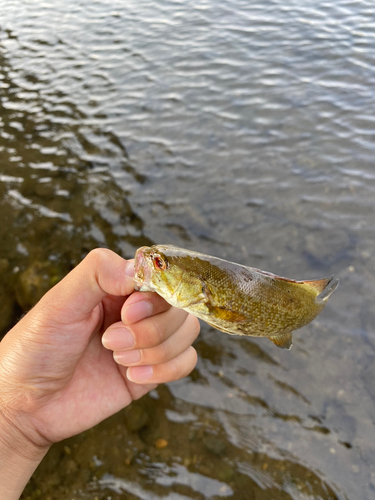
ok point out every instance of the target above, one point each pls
(19, 458)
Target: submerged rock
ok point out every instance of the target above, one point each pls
(224, 471)
(214, 445)
(34, 282)
(136, 417)
(161, 443)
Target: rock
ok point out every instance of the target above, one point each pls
(161, 443)
(34, 282)
(136, 417)
(224, 471)
(214, 445)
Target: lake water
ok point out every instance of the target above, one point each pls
(241, 129)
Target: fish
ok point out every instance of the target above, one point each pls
(230, 297)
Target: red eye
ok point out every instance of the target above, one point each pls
(159, 263)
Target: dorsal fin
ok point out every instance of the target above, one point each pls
(284, 340)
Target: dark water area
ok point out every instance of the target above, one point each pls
(244, 130)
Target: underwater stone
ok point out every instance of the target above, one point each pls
(214, 445)
(34, 282)
(136, 417)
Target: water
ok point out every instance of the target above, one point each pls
(240, 129)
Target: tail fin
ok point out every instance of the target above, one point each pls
(319, 285)
(328, 290)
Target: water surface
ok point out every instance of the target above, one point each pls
(240, 129)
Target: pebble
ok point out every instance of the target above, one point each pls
(161, 443)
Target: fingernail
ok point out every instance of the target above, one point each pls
(140, 310)
(129, 271)
(127, 357)
(139, 373)
(118, 338)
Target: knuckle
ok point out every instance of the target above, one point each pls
(164, 353)
(157, 332)
(181, 368)
(142, 357)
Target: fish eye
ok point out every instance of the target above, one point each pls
(159, 263)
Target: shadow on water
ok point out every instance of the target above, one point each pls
(57, 192)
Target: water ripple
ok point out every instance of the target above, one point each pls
(240, 129)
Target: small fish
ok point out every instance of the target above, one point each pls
(235, 299)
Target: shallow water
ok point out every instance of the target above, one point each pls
(243, 130)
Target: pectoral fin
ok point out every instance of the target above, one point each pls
(284, 340)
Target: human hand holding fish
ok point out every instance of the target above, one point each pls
(236, 299)
(89, 347)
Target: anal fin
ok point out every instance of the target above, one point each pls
(284, 340)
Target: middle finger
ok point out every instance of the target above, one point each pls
(140, 305)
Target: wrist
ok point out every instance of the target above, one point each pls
(19, 457)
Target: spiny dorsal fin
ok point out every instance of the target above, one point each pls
(284, 340)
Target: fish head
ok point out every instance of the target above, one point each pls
(166, 270)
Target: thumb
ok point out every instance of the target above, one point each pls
(101, 273)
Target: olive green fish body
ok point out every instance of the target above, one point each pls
(233, 298)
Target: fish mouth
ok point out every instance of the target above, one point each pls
(143, 270)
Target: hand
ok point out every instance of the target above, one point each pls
(56, 377)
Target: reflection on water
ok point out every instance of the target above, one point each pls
(240, 129)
